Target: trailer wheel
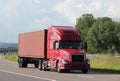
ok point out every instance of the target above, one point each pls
(40, 65)
(22, 63)
(84, 71)
(19, 62)
(36, 64)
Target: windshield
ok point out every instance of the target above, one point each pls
(71, 44)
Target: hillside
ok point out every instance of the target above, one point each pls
(6, 45)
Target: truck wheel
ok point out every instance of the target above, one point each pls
(22, 63)
(84, 71)
(66, 70)
(19, 62)
(40, 65)
(58, 68)
(43, 66)
(25, 64)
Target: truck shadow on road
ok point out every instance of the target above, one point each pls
(91, 71)
(96, 71)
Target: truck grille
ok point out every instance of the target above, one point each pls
(77, 58)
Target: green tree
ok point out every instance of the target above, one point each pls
(117, 37)
(101, 35)
(84, 23)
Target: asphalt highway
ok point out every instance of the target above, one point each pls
(9, 71)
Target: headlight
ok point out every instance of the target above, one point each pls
(64, 61)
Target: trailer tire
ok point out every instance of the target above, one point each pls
(22, 63)
(40, 65)
(19, 63)
(36, 64)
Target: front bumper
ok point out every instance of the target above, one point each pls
(76, 65)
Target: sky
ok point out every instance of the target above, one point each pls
(20, 16)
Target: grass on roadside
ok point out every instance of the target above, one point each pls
(12, 57)
(105, 64)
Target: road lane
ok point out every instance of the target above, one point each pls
(12, 65)
(15, 75)
(12, 76)
(34, 73)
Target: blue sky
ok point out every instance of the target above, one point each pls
(19, 16)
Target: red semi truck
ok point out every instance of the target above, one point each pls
(59, 47)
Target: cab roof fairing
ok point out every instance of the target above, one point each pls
(65, 33)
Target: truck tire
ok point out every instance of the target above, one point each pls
(84, 71)
(66, 70)
(44, 67)
(40, 65)
(36, 64)
(58, 68)
(22, 63)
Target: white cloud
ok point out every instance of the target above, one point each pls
(37, 1)
(72, 9)
(94, 6)
(113, 9)
(68, 8)
(40, 22)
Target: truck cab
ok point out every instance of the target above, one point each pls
(65, 49)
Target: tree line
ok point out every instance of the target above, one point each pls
(100, 35)
(9, 49)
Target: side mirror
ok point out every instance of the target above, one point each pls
(56, 45)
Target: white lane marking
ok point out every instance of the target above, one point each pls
(27, 75)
